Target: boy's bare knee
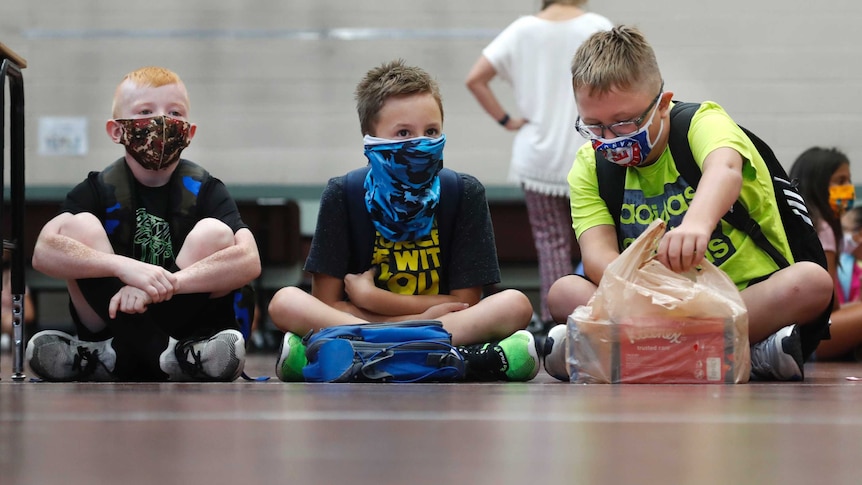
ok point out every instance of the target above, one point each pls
(565, 295)
(284, 302)
(501, 315)
(797, 294)
(87, 229)
(826, 284)
(212, 230)
(209, 236)
(519, 305)
(819, 285)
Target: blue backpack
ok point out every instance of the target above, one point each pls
(411, 351)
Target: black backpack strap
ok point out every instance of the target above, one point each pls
(451, 188)
(611, 179)
(362, 230)
(738, 216)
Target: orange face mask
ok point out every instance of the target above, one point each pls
(841, 197)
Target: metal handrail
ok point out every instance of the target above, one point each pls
(10, 69)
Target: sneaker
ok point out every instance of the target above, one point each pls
(217, 358)
(779, 357)
(59, 357)
(554, 353)
(511, 359)
(291, 358)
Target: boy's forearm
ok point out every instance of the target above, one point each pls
(599, 248)
(368, 316)
(386, 303)
(223, 271)
(64, 258)
(719, 188)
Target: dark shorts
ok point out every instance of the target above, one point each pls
(180, 317)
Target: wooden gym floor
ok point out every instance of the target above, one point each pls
(537, 433)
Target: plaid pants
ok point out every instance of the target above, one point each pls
(551, 223)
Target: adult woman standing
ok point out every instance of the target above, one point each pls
(533, 54)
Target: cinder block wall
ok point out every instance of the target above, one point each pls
(272, 80)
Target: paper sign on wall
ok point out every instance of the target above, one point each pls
(63, 136)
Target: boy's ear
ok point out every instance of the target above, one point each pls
(114, 130)
(664, 103)
(192, 129)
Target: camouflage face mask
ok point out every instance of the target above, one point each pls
(155, 143)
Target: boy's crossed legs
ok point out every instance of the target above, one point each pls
(482, 332)
(777, 306)
(209, 347)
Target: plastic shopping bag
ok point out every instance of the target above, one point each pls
(647, 324)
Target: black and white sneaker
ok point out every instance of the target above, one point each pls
(59, 357)
(778, 357)
(554, 353)
(218, 358)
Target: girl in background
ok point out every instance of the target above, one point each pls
(849, 283)
(824, 181)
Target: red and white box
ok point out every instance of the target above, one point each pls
(656, 350)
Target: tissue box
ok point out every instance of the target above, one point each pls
(657, 350)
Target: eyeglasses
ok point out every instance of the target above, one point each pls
(622, 128)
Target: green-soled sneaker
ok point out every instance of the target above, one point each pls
(291, 359)
(511, 359)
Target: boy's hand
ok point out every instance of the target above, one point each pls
(128, 300)
(441, 309)
(359, 286)
(157, 282)
(683, 247)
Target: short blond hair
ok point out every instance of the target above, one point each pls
(393, 78)
(620, 57)
(150, 76)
